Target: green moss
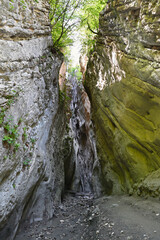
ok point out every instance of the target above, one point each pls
(2, 115)
(11, 135)
(26, 162)
(126, 115)
(24, 135)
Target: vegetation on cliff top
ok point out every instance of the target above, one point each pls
(68, 16)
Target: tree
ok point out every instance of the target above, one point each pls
(90, 22)
(70, 15)
(64, 19)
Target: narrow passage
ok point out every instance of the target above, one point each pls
(81, 215)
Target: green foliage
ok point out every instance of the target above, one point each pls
(16, 146)
(5, 157)
(89, 25)
(26, 162)
(11, 136)
(11, 96)
(64, 101)
(75, 72)
(33, 140)
(11, 130)
(70, 15)
(44, 56)
(63, 17)
(20, 121)
(2, 115)
(8, 139)
(67, 54)
(24, 135)
(11, 4)
(90, 13)
(23, 3)
(62, 96)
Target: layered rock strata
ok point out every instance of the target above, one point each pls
(123, 82)
(32, 124)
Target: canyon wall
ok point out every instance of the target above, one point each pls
(32, 122)
(123, 83)
(86, 177)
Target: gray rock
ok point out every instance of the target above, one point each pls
(31, 176)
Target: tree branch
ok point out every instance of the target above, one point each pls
(97, 33)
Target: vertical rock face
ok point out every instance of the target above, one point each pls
(32, 124)
(85, 177)
(123, 82)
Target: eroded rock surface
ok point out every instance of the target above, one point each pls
(87, 172)
(32, 123)
(123, 82)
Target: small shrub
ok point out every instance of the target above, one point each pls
(24, 135)
(20, 121)
(8, 140)
(33, 140)
(11, 136)
(16, 146)
(2, 115)
(5, 157)
(26, 162)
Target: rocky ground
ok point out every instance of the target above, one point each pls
(109, 217)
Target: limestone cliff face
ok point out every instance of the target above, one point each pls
(123, 82)
(31, 122)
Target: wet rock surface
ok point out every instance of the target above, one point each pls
(109, 217)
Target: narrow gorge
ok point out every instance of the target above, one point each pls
(72, 149)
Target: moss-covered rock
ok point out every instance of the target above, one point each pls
(122, 81)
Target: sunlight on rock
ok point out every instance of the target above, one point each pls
(116, 73)
(101, 83)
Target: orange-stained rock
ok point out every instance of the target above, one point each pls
(83, 60)
(62, 76)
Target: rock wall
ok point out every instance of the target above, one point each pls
(32, 123)
(84, 160)
(123, 82)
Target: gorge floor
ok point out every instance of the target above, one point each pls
(81, 217)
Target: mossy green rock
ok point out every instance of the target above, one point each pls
(123, 82)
